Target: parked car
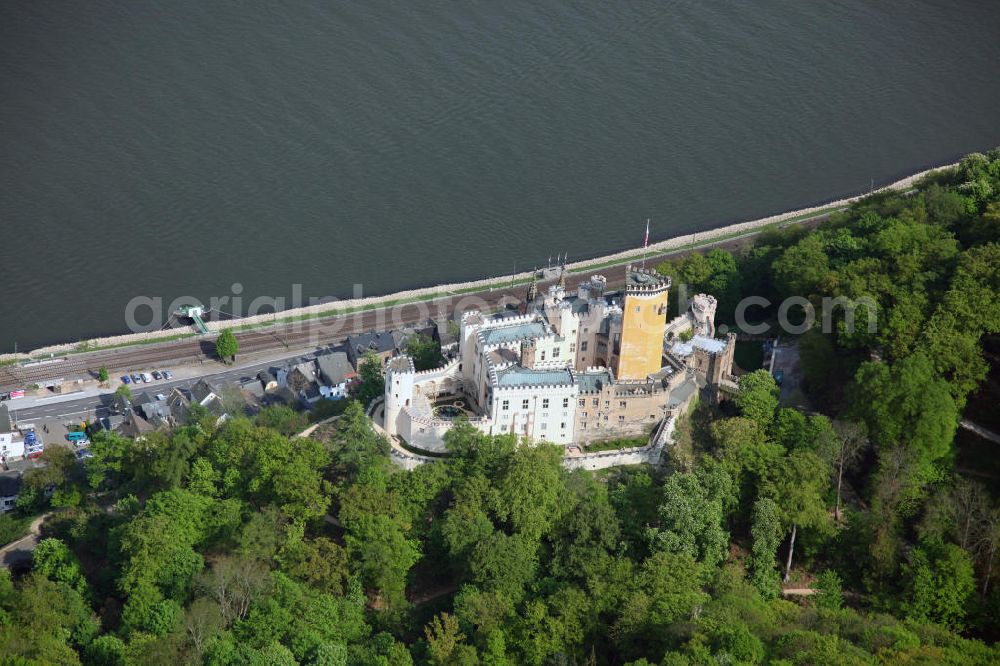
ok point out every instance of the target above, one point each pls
(136, 379)
(126, 379)
(167, 374)
(156, 375)
(83, 454)
(147, 378)
(160, 396)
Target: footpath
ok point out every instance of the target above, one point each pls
(19, 552)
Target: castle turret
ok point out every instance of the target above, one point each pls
(531, 296)
(529, 353)
(644, 320)
(703, 310)
(399, 376)
(592, 288)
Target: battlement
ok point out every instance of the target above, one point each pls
(401, 364)
(509, 320)
(443, 370)
(644, 281)
(526, 387)
(704, 303)
(511, 330)
(513, 377)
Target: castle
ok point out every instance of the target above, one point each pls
(565, 368)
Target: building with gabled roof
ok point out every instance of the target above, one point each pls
(383, 344)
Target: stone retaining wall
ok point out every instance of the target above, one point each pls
(440, 291)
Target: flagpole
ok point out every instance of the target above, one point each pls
(645, 244)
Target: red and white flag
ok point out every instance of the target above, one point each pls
(645, 242)
(17, 394)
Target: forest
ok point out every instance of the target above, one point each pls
(851, 532)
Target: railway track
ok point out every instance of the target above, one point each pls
(305, 334)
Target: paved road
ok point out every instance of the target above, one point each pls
(308, 334)
(97, 406)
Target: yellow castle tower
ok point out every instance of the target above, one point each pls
(644, 320)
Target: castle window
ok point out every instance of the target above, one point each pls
(583, 345)
(621, 419)
(565, 402)
(562, 425)
(545, 425)
(543, 354)
(596, 402)
(555, 352)
(505, 405)
(503, 428)
(638, 308)
(652, 416)
(582, 402)
(584, 414)
(607, 403)
(524, 404)
(572, 347)
(545, 403)
(622, 403)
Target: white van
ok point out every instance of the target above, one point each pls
(146, 377)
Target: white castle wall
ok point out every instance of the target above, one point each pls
(554, 423)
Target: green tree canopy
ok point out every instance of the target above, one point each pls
(226, 345)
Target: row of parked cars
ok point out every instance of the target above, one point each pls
(146, 377)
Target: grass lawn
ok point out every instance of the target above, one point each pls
(616, 444)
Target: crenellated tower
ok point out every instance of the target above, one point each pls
(644, 320)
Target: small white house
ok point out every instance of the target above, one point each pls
(11, 442)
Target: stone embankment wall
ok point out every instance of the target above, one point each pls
(445, 290)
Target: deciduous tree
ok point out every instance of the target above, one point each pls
(227, 346)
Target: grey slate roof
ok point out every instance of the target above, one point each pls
(532, 329)
(10, 484)
(201, 390)
(593, 382)
(334, 368)
(381, 341)
(519, 376)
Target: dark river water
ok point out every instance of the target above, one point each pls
(167, 149)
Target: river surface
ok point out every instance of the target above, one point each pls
(167, 149)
